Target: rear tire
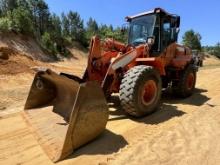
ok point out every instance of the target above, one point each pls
(186, 85)
(140, 90)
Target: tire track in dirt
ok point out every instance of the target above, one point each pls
(194, 140)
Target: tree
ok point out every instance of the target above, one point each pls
(109, 31)
(24, 4)
(106, 31)
(2, 7)
(213, 50)
(216, 50)
(11, 5)
(76, 27)
(21, 20)
(121, 36)
(1, 13)
(48, 44)
(7, 5)
(5, 24)
(65, 25)
(54, 27)
(40, 15)
(55, 31)
(192, 40)
(75, 24)
(91, 28)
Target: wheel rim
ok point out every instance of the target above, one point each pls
(149, 92)
(190, 81)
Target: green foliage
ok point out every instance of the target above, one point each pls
(213, 50)
(121, 36)
(55, 27)
(48, 44)
(91, 29)
(217, 50)
(192, 40)
(21, 20)
(7, 5)
(110, 32)
(65, 25)
(41, 15)
(5, 24)
(106, 31)
(76, 27)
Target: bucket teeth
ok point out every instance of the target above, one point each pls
(64, 114)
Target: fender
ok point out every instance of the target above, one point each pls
(119, 62)
(181, 61)
(156, 62)
(122, 61)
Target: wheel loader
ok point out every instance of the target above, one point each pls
(65, 111)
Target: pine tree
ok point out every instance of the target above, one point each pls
(192, 40)
(41, 15)
(65, 25)
(11, 5)
(76, 27)
(55, 26)
(91, 29)
(216, 51)
(21, 21)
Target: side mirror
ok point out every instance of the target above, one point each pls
(175, 22)
(174, 33)
(177, 30)
(178, 21)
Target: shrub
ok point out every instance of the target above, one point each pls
(21, 20)
(5, 24)
(48, 44)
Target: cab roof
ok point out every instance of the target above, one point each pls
(154, 11)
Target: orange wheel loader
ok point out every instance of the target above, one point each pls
(66, 112)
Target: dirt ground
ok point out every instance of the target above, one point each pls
(181, 131)
(192, 136)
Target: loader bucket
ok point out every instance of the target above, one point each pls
(64, 114)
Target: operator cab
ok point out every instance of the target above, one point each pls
(157, 25)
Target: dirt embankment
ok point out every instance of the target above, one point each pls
(210, 60)
(24, 45)
(13, 62)
(18, 55)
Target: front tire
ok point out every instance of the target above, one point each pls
(140, 90)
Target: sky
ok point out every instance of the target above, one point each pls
(202, 16)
